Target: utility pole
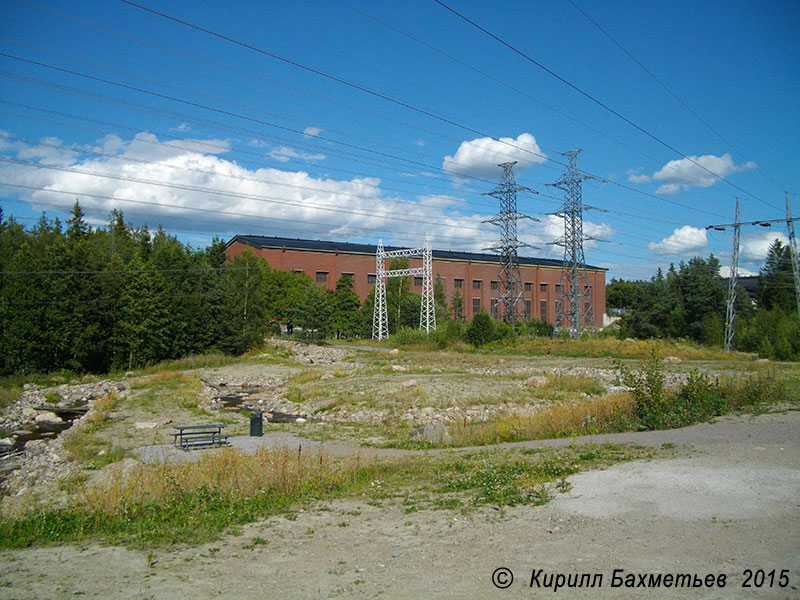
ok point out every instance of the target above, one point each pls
(730, 316)
(730, 313)
(510, 280)
(574, 302)
(793, 251)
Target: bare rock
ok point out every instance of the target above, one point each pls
(160, 422)
(433, 433)
(538, 381)
(47, 417)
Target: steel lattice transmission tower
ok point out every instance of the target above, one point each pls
(730, 313)
(427, 309)
(574, 303)
(510, 280)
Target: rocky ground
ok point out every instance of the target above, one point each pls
(723, 501)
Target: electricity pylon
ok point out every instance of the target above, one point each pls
(574, 303)
(510, 280)
(730, 313)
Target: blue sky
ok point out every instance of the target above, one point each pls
(356, 121)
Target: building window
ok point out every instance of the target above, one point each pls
(494, 285)
(458, 283)
(371, 278)
(528, 286)
(322, 276)
(352, 276)
(299, 272)
(495, 308)
(476, 306)
(543, 288)
(527, 309)
(476, 284)
(543, 311)
(558, 288)
(418, 281)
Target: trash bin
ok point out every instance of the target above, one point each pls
(256, 424)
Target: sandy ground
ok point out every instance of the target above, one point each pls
(727, 501)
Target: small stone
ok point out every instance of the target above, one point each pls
(152, 424)
(328, 376)
(29, 414)
(115, 415)
(762, 361)
(300, 420)
(399, 368)
(410, 383)
(671, 359)
(129, 374)
(7, 442)
(394, 351)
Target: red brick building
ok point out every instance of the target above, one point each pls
(474, 274)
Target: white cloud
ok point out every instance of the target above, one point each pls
(682, 241)
(694, 171)
(312, 131)
(419, 142)
(201, 191)
(754, 247)
(482, 155)
(635, 177)
(285, 154)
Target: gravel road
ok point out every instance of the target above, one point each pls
(727, 501)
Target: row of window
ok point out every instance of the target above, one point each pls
(322, 277)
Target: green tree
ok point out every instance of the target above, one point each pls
(245, 319)
(345, 309)
(457, 301)
(313, 313)
(481, 330)
(776, 280)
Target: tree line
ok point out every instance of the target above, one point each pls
(96, 299)
(690, 301)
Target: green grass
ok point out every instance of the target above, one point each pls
(196, 502)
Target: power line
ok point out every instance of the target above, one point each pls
(593, 99)
(667, 89)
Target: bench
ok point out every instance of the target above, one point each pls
(189, 437)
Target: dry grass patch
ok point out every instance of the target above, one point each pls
(613, 412)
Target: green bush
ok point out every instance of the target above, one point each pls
(482, 330)
(407, 335)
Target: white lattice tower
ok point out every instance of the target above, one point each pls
(427, 318)
(730, 314)
(380, 320)
(427, 310)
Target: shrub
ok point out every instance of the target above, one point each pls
(482, 330)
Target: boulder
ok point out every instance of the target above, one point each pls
(433, 433)
(47, 417)
(538, 381)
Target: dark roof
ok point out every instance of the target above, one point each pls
(260, 241)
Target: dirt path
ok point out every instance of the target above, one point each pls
(729, 500)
